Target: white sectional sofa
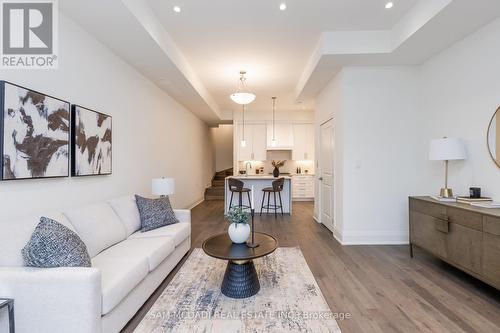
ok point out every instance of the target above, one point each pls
(127, 266)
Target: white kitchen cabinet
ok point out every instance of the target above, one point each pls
(303, 187)
(303, 142)
(255, 137)
(259, 142)
(283, 135)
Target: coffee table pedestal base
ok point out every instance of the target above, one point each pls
(240, 279)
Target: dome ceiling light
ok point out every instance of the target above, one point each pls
(242, 96)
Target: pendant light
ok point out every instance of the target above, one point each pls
(242, 95)
(274, 143)
(243, 141)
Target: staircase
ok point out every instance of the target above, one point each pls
(216, 191)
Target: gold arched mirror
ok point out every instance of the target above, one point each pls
(494, 137)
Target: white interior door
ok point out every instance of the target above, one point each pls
(326, 176)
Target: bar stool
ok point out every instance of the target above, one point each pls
(277, 187)
(236, 186)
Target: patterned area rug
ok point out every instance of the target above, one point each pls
(289, 300)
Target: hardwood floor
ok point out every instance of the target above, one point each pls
(382, 288)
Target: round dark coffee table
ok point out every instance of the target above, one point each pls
(240, 279)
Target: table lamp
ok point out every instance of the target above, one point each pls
(447, 149)
(163, 186)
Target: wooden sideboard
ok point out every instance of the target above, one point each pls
(464, 236)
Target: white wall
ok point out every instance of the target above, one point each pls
(152, 134)
(460, 94)
(384, 119)
(375, 112)
(223, 141)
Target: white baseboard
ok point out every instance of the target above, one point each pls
(338, 236)
(371, 237)
(196, 203)
(316, 218)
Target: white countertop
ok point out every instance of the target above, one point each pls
(259, 177)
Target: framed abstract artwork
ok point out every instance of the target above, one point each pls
(34, 134)
(91, 142)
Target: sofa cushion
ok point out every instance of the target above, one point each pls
(179, 232)
(155, 213)
(126, 209)
(98, 226)
(15, 233)
(54, 245)
(155, 250)
(124, 265)
(118, 277)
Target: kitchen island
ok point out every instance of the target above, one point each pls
(257, 183)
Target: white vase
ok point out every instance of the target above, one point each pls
(239, 232)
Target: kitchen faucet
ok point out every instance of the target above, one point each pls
(246, 167)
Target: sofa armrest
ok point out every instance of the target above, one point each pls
(66, 299)
(183, 215)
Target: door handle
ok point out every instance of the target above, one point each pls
(320, 178)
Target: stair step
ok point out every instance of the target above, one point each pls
(218, 183)
(214, 197)
(218, 190)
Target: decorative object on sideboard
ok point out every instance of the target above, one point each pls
(443, 199)
(238, 230)
(446, 149)
(475, 192)
(163, 186)
(493, 137)
(242, 96)
(91, 142)
(277, 165)
(34, 131)
(470, 201)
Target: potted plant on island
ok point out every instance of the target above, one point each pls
(239, 229)
(277, 165)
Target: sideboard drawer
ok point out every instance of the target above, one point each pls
(491, 225)
(427, 232)
(428, 208)
(491, 253)
(464, 246)
(465, 218)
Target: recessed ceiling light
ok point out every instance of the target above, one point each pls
(389, 5)
(283, 6)
(177, 9)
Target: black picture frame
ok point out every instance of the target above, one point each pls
(74, 132)
(3, 177)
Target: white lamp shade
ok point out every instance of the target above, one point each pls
(163, 186)
(447, 149)
(243, 97)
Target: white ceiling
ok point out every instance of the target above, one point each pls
(221, 37)
(196, 55)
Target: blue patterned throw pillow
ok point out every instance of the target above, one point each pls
(155, 213)
(54, 245)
